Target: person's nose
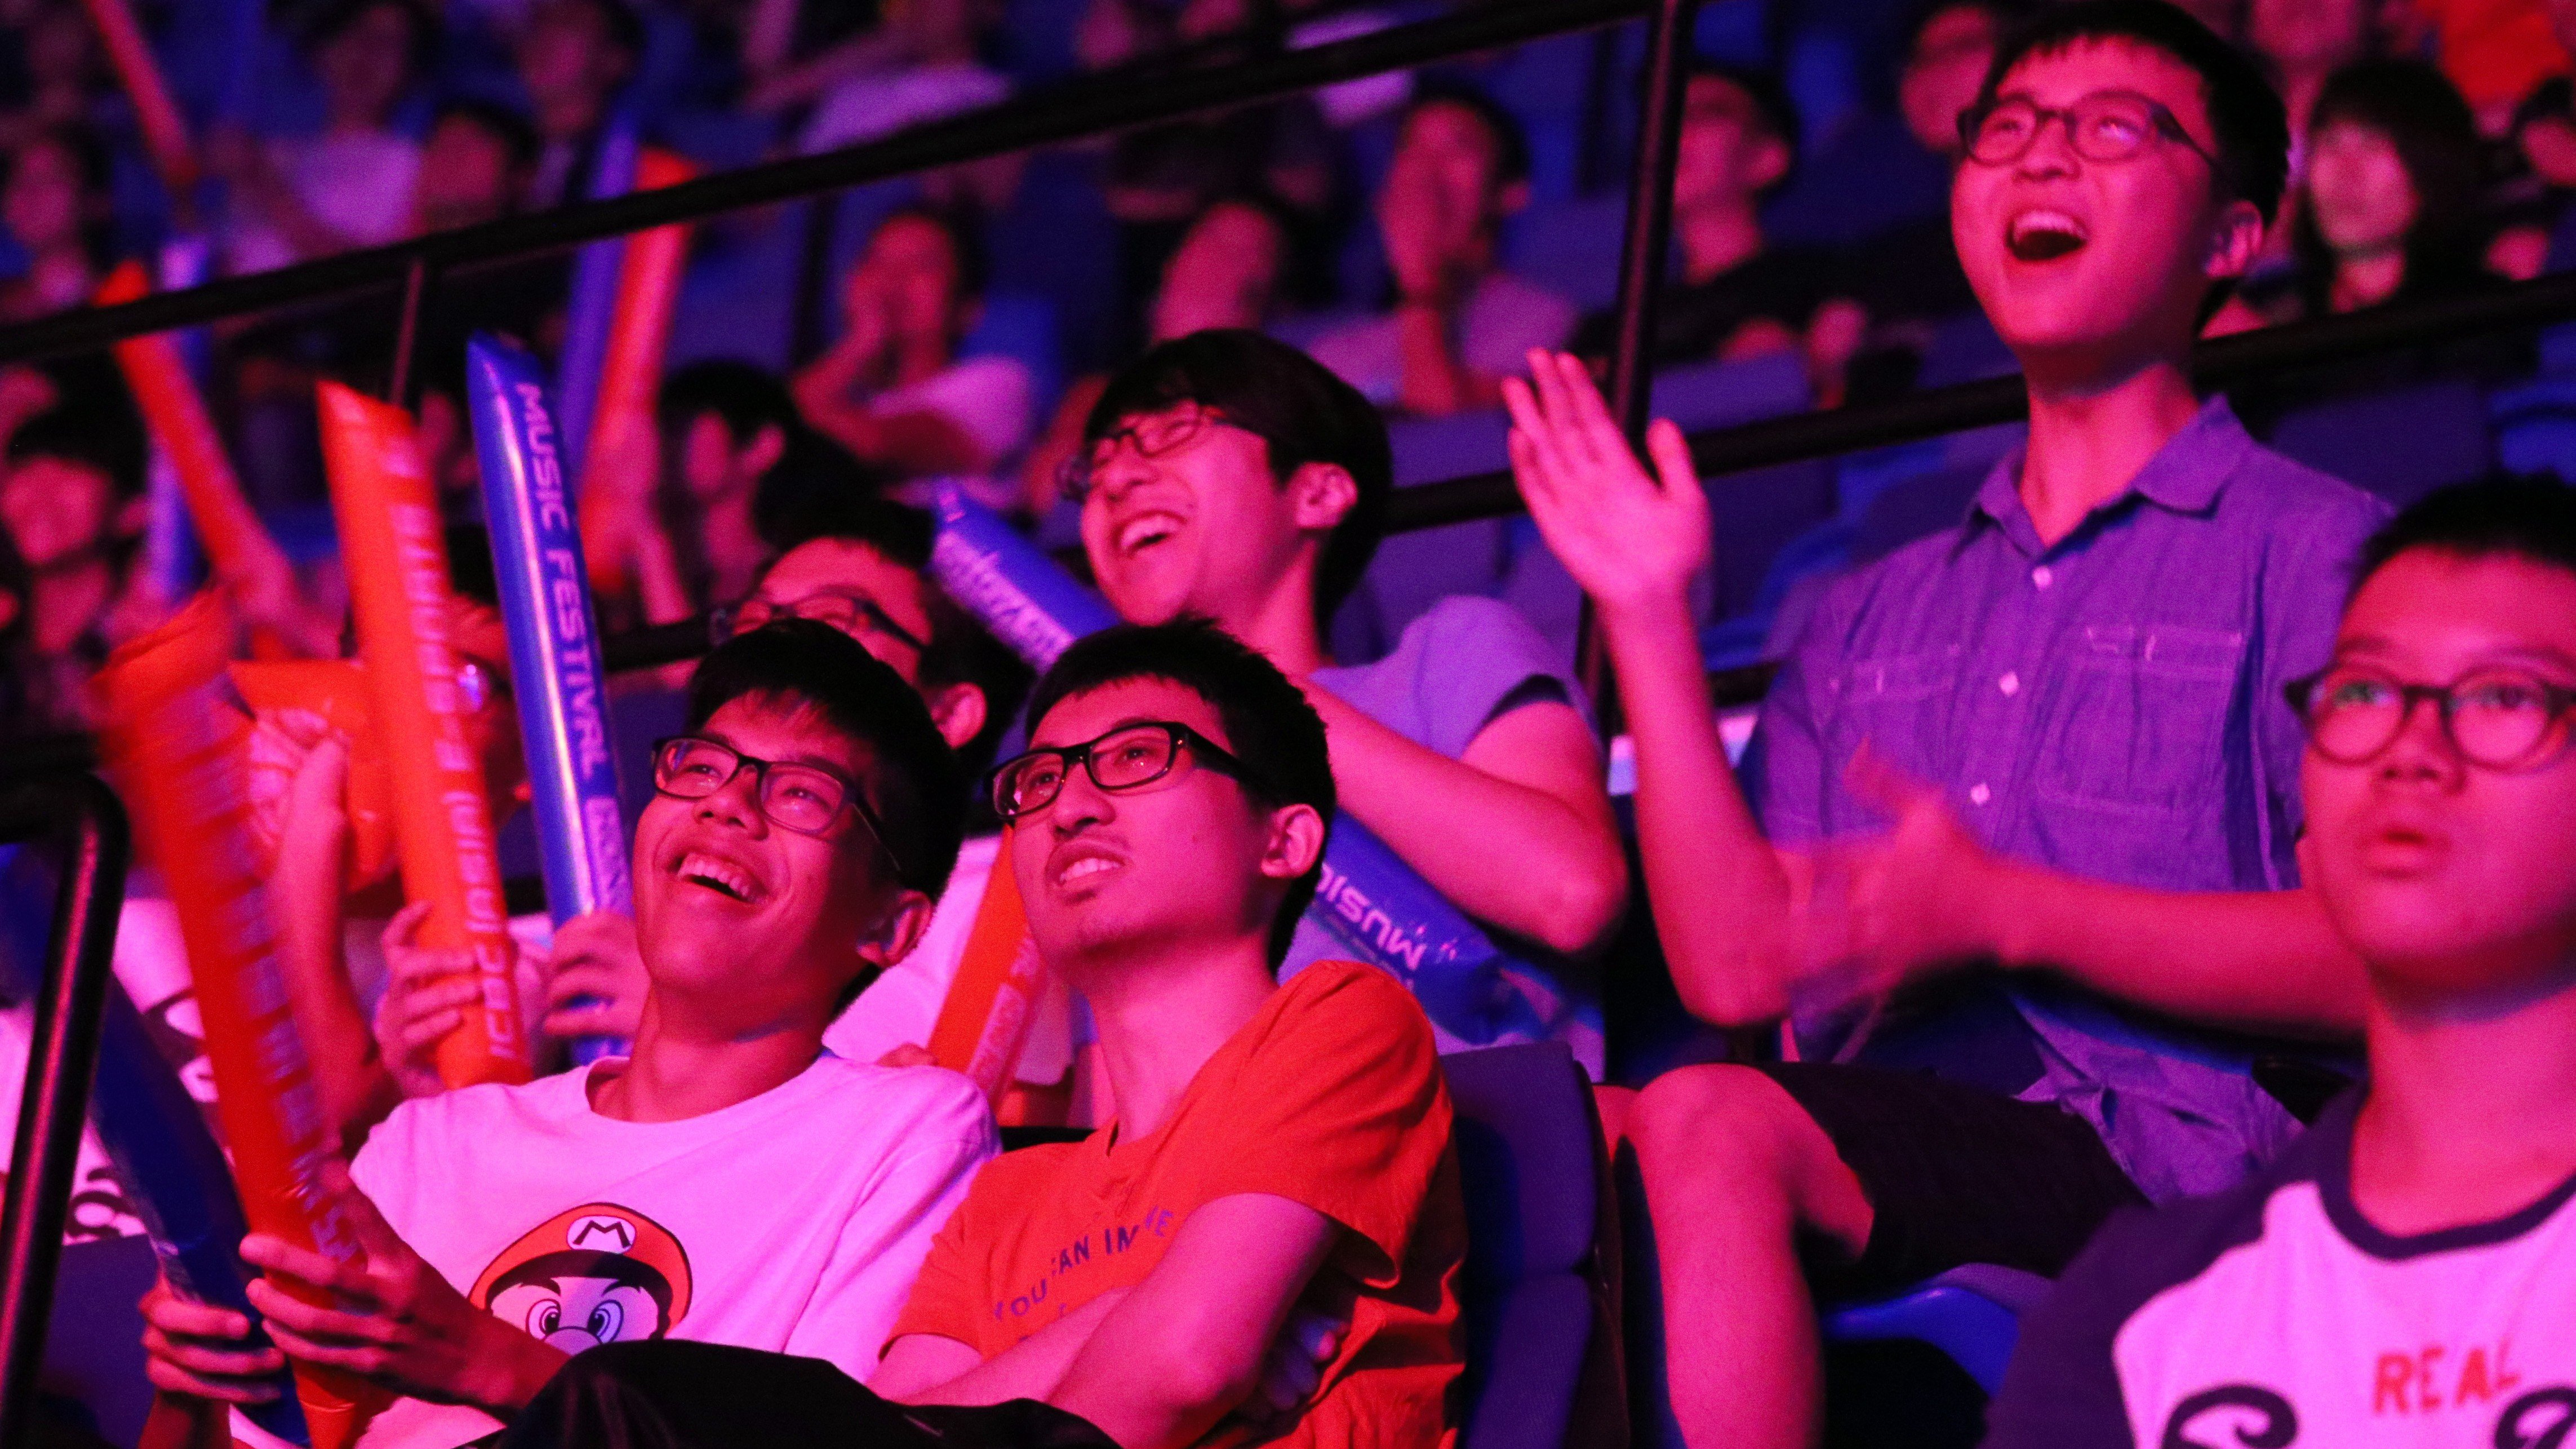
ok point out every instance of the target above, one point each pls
(1079, 804)
(2052, 150)
(2423, 753)
(736, 803)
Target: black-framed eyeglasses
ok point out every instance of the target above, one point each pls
(2500, 719)
(2105, 126)
(806, 799)
(853, 614)
(1154, 435)
(1129, 757)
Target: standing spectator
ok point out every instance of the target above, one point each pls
(573, 57)
(56, 206)
(2051, 739)
(353, 185)
(1736, 295)
(893, 390)
(1460, 321)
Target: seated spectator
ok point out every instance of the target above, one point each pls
(859, 565)
(2404, 1274)
(1226, 273)
(1276, 1208)
(2049, 742)
(353, 185)
(810, 807)
(573, 57)
(923, 61)
(71, 501)
(55, 204)
(1735, 296)
(2302, 43)
(893, 390)
(1230, 477)
(1908, 275)
(2388, 209)
(1460, 321)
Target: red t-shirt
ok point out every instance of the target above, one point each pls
(1332, 1097)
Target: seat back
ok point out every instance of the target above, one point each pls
(1541, 1364)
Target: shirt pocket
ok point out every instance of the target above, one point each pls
(2140, 722)
(1898, 704)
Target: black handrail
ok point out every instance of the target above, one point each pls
(1071, 110)
(81, 816)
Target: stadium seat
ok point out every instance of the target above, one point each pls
(1542, 1362)
(1973, 1314)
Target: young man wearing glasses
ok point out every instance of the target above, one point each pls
(1263, 1247)
(2049, 743)
(861, 566)
(1229, 476)
(2406, 1274)
(731, 1181)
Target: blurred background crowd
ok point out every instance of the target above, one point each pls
(1416, 232)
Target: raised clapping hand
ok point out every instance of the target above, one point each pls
(1631, 539)
(1891, 909)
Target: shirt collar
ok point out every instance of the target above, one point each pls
(2185, 476)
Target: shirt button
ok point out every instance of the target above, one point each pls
(1979, 794)
(2010, 684)
(2040, 576)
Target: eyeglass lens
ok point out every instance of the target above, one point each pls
(2110, 127)
(1121, 760)
(2496, 719)
(797, 797)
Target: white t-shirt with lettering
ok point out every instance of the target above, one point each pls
(793, 1222)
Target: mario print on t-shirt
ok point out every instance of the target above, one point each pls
(598, 1274)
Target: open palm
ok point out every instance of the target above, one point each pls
(1628, 537)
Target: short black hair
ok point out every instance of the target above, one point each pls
(87, 435)
(1772, 106)
(745, 396)
(918, 789)
(965, 243)
(1511, 143)
(2527, 518)
(961, 651)
(2245, 113)
(2436, 136)
(497, 121)
(1295, 405)
(1269, 726)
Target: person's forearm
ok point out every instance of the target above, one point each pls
(1432, 381)
(1722, 901)
(2254, 960)
(348, 1073)
(1029, 1369)
(1503, 852)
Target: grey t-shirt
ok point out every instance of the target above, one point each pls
(1465, 663)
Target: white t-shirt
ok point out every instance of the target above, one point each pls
(990, 399)
(902, 1005)
(793, 1222)
(880, 103)
(362, 185)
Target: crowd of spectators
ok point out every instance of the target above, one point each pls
(2059, 827)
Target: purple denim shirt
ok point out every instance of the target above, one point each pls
(2110, 707)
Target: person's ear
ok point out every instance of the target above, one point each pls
(896, 931)
(1296, 842)
(1511, 198)
(959, 711)
(767, 447)
(1321, 495)
(2234, 241)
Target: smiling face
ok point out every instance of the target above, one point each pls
(1201, 527)
(2102, 263)
(2451, 880)
(1188, 860)
(741, 915)
(2359, 191)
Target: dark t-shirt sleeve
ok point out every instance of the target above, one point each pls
(2062, 1390)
